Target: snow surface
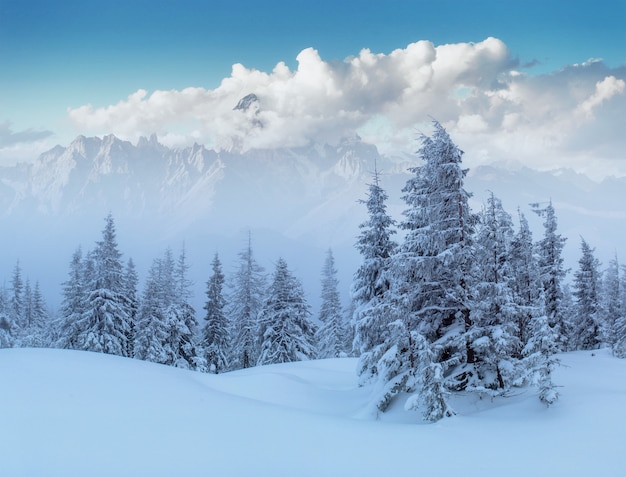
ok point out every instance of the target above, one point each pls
(72, 413)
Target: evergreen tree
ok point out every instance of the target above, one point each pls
(619, 327)
(611, 299)
(587, 325)
(182, 318)
(104, 323)
(551, 269)
(151, 329)
(167, 322)
(131, 283)
(33, 330)
(40, 334)
(216, 333)
(73, 304)
(430, 290)
(330, 335)
(540, 356)
(432, 395)
(492, 333)
(371, 284)
(16, 310)
(27, 306)
(6, 338)
(288, 334)
(246, 301)
(527, 286)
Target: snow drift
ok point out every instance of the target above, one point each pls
(72, 413)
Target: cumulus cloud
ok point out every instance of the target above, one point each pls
(605, 90)
(472, 88)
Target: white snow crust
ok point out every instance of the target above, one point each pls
(70, 413)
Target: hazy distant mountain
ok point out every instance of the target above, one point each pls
(268, 187)
(298, 202)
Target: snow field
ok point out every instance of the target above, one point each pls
(71, 413)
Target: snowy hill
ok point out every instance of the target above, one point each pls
(71, 413)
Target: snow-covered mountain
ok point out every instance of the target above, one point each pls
(297, 202)
(108, 174)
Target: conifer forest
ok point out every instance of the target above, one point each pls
(446, 300)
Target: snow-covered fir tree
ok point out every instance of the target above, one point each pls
(612, 307)
(215, 334)
(73, 304)
(371, 283)
(552, 271)
(182, 317)
(540, 358)
(330, 335)
(131, 283)
(16, 310)
(41, 319)
(286, 330)
(587, 325)
(430, 288)
(33, 332)
(245, 302)
(618, 334)
(104, 323)
(492, 334)
(526, 284)
(167, 322)
(6, 338)
(432, 395)
(151, 327)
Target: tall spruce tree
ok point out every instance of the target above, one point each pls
(151, 327)
(618, 333)
(430, 289)
(246, 300)
(104, 323)
(371, 284)
(33, 332)
(182, 318)
(73, 304)
(131, 282)
(611, 299)
(6, 339)
(330, 335)
(286, 330)
(527, 286)
(40, 334)
(492, 333)
(587, 324)
(167, 322)
(16, 310)
(552, 271)
(215, 335)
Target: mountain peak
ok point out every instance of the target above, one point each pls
(246, 102)
(151, 142)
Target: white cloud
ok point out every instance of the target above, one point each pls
(605, 90)
(473, 88)
(22, 146)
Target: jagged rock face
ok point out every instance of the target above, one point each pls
(246, 102)
(97, 175)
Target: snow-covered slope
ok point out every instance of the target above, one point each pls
(71, 413)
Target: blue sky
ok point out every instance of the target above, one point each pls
(56, 55)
